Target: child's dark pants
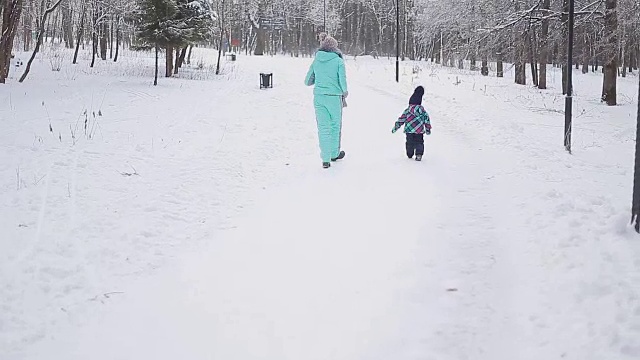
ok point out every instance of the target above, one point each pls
(415, 144)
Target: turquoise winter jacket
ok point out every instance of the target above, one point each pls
(328, 75)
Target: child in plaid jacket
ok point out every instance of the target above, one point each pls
(416, 123)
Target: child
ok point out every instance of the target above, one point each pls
(416, 123)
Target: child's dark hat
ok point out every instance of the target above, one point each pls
(416, 98)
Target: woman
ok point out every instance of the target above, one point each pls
(328, 75)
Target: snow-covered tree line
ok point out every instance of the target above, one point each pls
(530, 34)
(363, 27)
(104, 27)
(252, 26)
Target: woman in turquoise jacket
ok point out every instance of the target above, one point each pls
(328, 75)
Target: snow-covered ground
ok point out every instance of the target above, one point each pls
(193, 220)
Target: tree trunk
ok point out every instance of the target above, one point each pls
(635, 205)
(94, 36)
(298, 38)
(532, 59)
(404, 34)
(565, 35)
(39, 41)
(474, 62)
(609, 94)
(155, 79)
(104, 38)
(183, 54)
(27, 27)
(500, 66)
(115, 58)
(111, 39)
(443, 60)
(594, 53)
(189, 55)
(519, 39)
(55, 28)
(485, 66)
(169, 61)
(219, 56)
(176, 61)
(11, 11)
(585, 55)
(260, 42)
(543, 57)
(623, 58)
(80, 33)
(94, 48)
(67, 24)
(520, 66)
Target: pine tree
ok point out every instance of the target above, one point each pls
(171, 24)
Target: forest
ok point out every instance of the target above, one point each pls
(481, 35)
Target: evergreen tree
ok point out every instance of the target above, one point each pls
(172, 24)
(194, 20)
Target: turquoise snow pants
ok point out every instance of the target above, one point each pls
(329, 118)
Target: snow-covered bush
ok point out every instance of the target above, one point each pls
(56, 58)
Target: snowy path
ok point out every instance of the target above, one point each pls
(357, 262)
(460, 257)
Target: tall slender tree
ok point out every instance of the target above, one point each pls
(609, 91)
(11, 11)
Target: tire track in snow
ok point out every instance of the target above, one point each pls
(41, 219)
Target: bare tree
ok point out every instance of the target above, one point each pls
(155, 79)
(27, 22)
(519, 62)
(41, 33)
(11, 11)
(67, 23)
(83, 15)
(221, 24)
(609, 94)
(169, 61)
(544, 46)
(118, 21)
(103, 27)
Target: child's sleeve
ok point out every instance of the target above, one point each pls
(401, 120)
(426, 120)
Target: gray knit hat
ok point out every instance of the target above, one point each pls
(328, 43)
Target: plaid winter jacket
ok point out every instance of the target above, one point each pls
(415, 120)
